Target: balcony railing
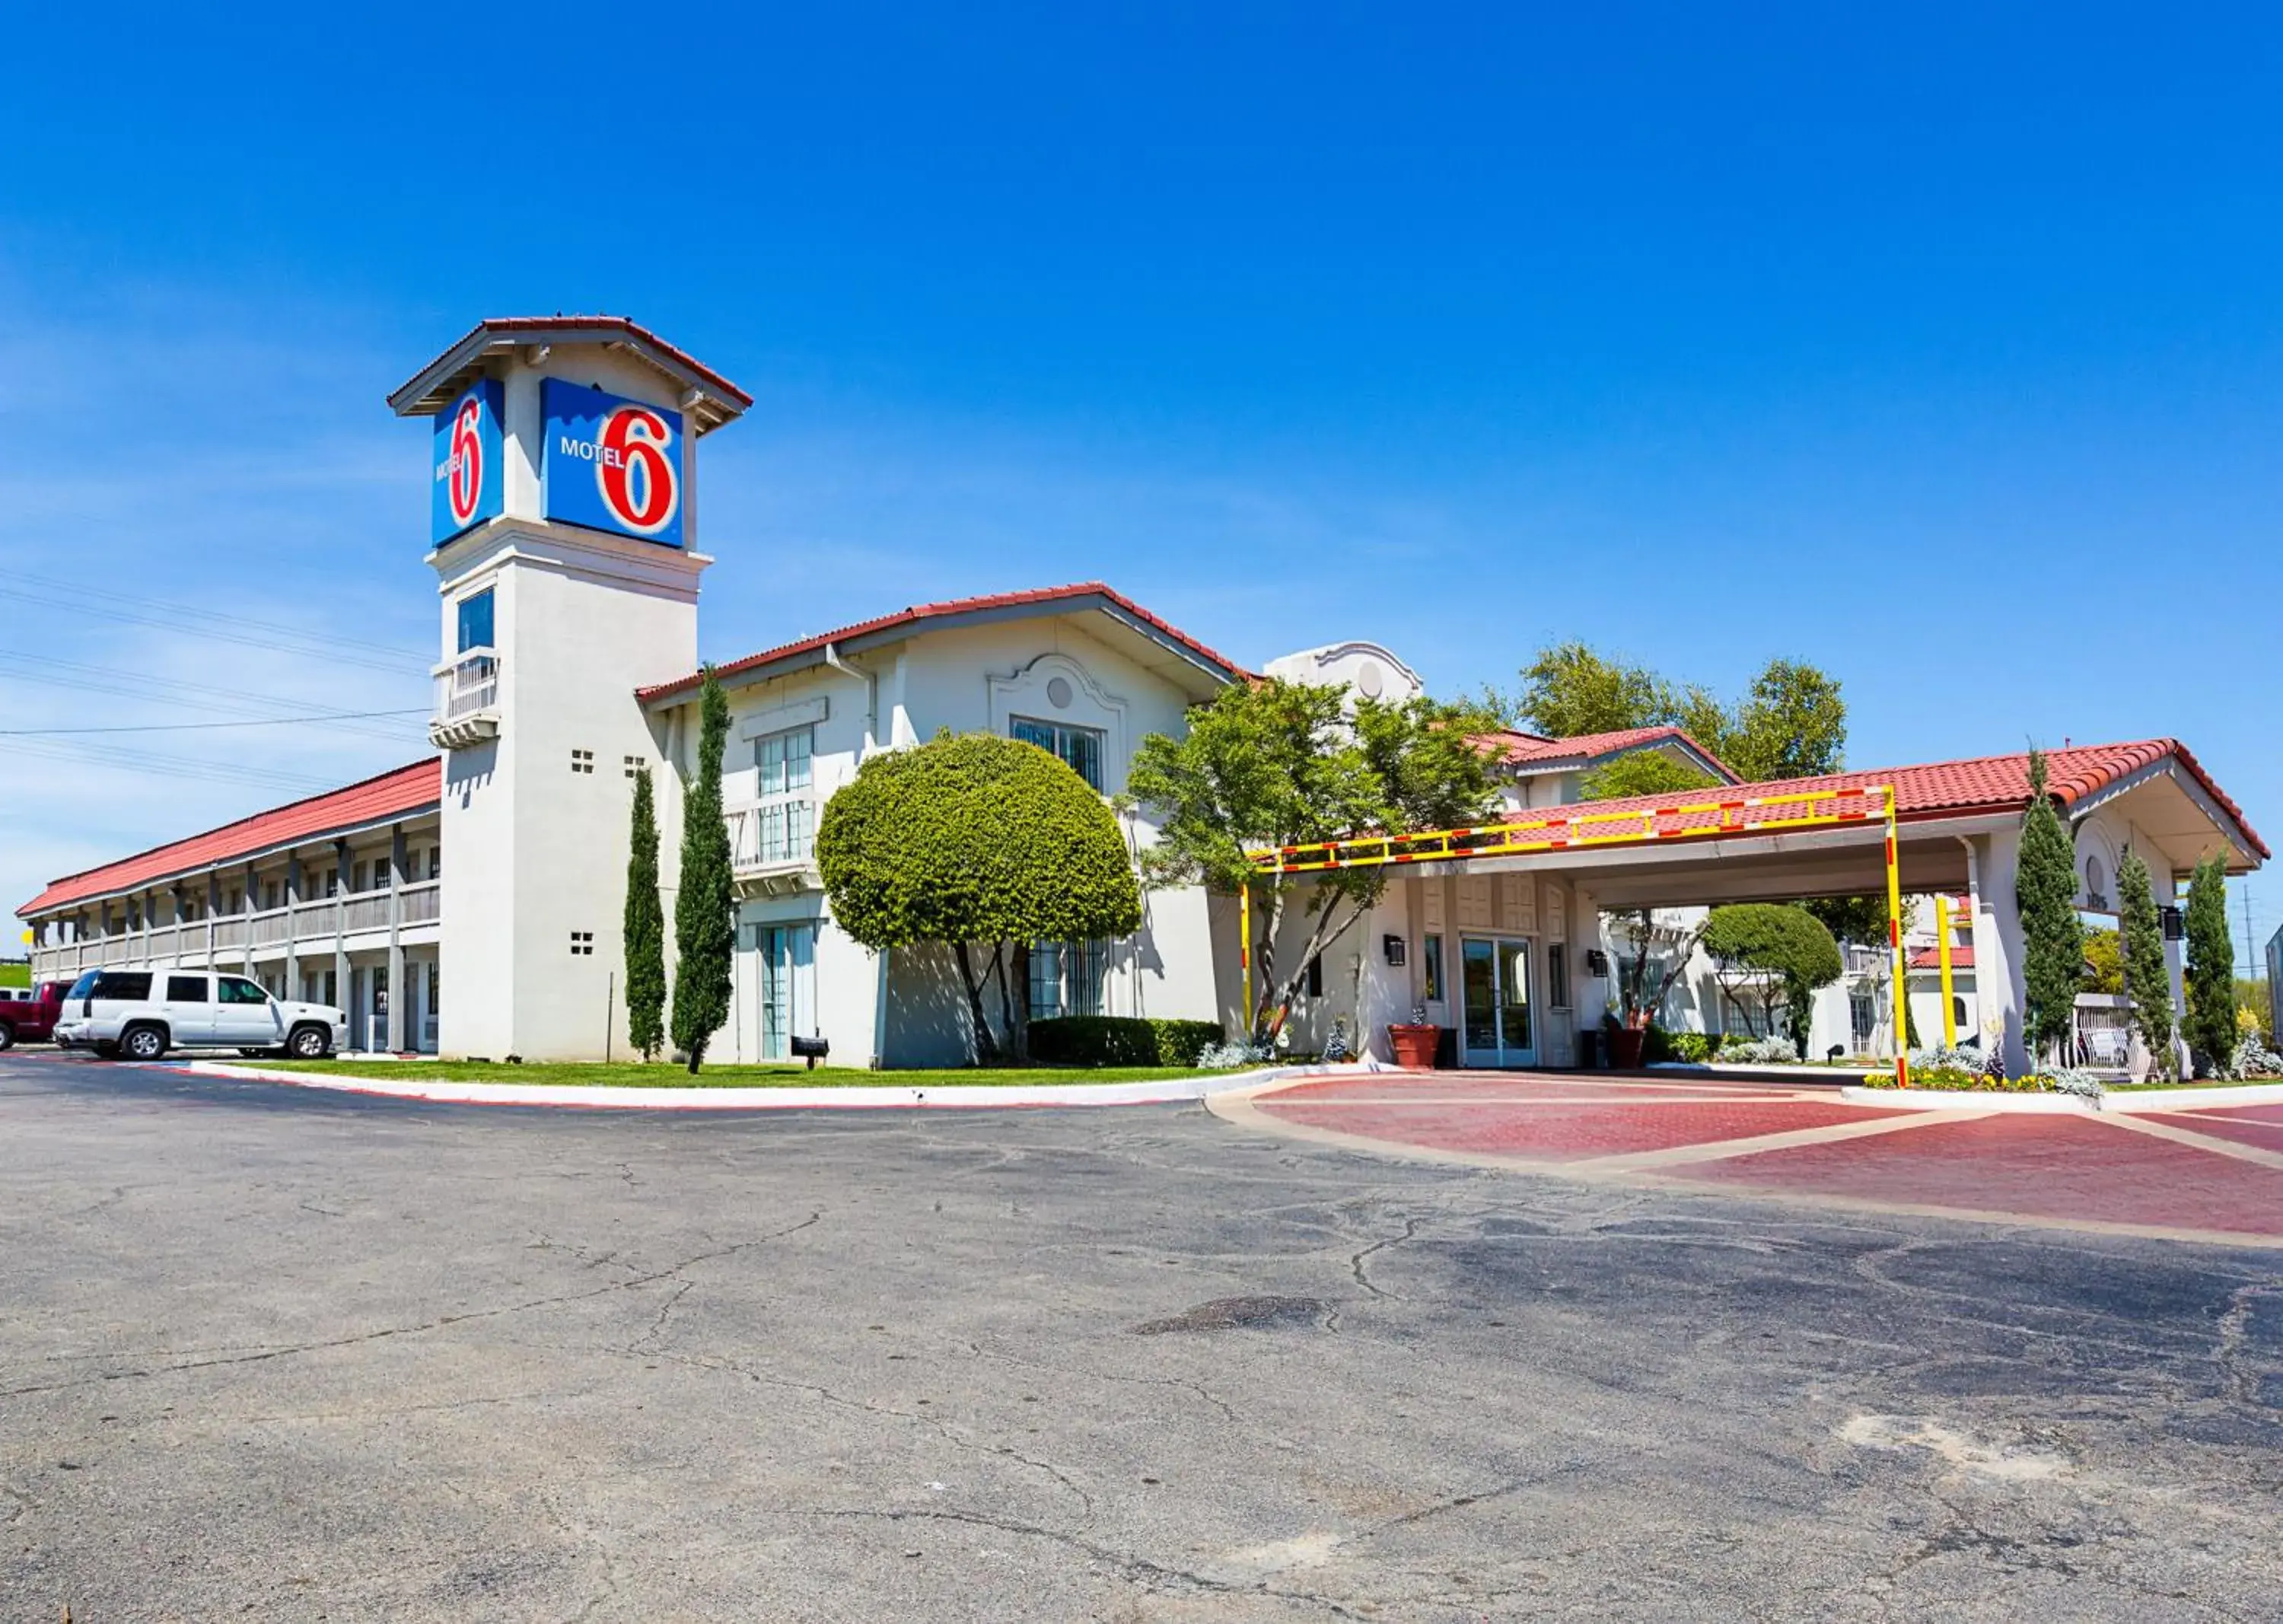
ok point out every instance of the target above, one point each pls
(227, 939)
(467, 700)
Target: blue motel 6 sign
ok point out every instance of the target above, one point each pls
(470, 481)
(611, 464)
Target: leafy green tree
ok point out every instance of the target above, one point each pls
(1752, 942)
(2148, 981)
(1278, 763)
(975, 840)
(2104, 960)
(644, 929)
(704, 904)
(1791, 722)
(2052, 937)
(1640, 772)
(2210, 1026)
(1569, 691)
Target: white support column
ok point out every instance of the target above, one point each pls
(2004, 983)
(2175, 971)
(344, 989)
(292, 898)
(396, 987)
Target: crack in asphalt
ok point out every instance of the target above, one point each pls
(441, 1322)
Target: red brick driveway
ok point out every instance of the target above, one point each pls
(2210, 1173)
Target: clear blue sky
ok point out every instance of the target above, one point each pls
(1940, 352)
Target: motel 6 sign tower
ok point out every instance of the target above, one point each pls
(563, 528)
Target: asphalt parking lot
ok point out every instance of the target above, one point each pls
(283, 1354)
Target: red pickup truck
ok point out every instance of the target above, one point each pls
(30, 1017)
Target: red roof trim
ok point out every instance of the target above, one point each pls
(390, 794)
(1961, 957)
(920, 614)
(620, 324)
(1521, 748)
(1977, 784)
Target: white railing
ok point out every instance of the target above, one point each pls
(232, 934)
(471, 683)
(749, 828)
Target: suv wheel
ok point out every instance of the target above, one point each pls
(7, 1037)
(144, 1043)
(308, 1043)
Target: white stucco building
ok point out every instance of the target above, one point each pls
(470, 903)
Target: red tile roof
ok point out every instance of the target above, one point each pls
(1529, 748)
(392, 794)
(1951, 789)
(410, 397)
(1048, 599)
(1961, 957)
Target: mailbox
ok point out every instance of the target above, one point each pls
(810, 1049)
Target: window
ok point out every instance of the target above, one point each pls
(476, 621)
(787, 807)
(635, 768)
(582, 760)
(129, 986)
(582, 944)
(268, 894)
(1079, 748)
(1316, 976)
(1557, 975)
(1066, 978)
(1958, 1010)
(237, 989)
(186, 989)
(1431, 959)
(436, 861)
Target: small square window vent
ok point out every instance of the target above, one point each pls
(582, 944)
(582, 760)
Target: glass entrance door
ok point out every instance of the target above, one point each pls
(1494, 1026)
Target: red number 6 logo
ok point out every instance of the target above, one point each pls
(467, 487)
(636, 471)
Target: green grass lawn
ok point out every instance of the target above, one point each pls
(15, 975)
(634, 1076)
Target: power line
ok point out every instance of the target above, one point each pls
(72, 591)
(198, 727)
(172, 621)
(48, 671)
(148, 762)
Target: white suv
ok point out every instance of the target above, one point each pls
(142, 1013)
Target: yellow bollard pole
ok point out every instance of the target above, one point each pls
(1949, 1005)
(1244, 949)
(1894, 937)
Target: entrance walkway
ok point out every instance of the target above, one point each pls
(2209, 1174)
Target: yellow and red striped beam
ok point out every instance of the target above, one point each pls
(1686, 820)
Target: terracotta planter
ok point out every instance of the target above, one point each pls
(1625, 1046)
(1413, 1046)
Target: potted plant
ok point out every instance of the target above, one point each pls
(1413, 1043)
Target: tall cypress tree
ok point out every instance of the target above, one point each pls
(646, 928)
(2147, 981)
(705, 927)
(2052, 937)
(2210, 1023)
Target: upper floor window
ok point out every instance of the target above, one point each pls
(787, 799)
(476, 621)
(1080, 748)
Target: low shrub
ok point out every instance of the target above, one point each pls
(2253, 1059)
(1229, 1056)
(1690, 1048)
(1962, 1059)
(1120, 1040)
(1760, 1051)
